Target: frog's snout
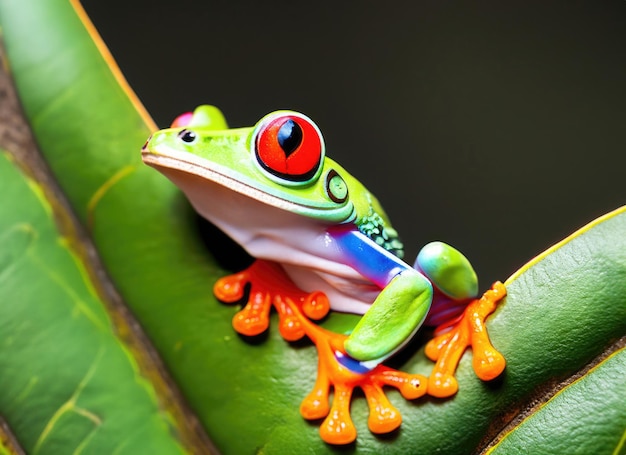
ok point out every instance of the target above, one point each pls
(145, 145)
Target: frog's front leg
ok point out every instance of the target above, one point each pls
(392, 320)
(460, 318)
(343, 373)
(400, 308)
(269, 285)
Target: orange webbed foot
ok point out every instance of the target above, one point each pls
(337, 370)
(452, 338)
(269, 286)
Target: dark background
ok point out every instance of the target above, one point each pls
(498, 127)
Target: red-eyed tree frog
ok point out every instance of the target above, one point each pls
(321, 238)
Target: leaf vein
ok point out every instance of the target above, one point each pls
(80, 304)
(70, 404)
(619, 449)
(104, 188)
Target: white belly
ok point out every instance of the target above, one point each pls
(301, 245)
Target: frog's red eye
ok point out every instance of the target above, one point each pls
(289, 147)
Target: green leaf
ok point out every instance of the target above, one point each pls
(592, 405)
(563, 309)
(68, 383)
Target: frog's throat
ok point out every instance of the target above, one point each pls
(184, 166)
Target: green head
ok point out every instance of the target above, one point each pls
(280, 162)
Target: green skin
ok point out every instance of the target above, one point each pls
(326, 232)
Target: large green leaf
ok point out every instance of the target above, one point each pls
(68, 383)
(563, 310)
(593, 404)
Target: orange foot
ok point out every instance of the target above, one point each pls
(337, 369)
(271, 286)
(452, 338)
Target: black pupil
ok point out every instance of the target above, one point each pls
(289, 136)
(187, 136)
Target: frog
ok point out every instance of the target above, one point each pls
(322, 242)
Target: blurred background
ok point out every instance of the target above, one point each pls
(497, 127)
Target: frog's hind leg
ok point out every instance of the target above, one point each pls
(453, 278)
(451, 339)
(459, 317)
